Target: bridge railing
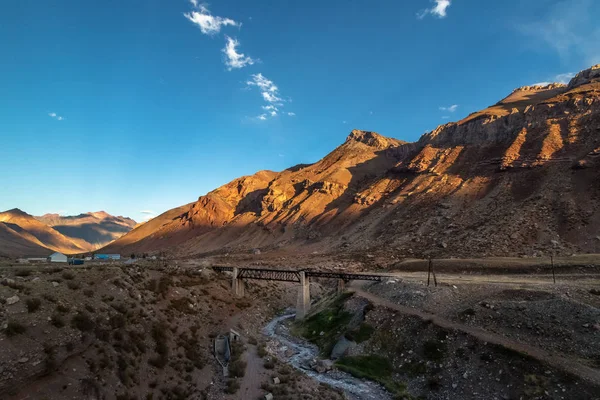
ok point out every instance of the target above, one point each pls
(294, 275)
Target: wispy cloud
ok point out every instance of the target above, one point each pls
(147, 215)
(570, 28)
(55, 116)
(451, 108)
(270, 93)
(564, 78)
(233, 59)
(291, 114)
(439, 10)
(560, 78)
(208, 23)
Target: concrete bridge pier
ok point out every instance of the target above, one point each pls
(303, 302)
(341, 286)
(237, 285)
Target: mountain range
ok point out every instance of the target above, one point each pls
(520, 177)
(22, 234)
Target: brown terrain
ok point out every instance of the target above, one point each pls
(485, 198)
(519, 178)
(96, 229)
(22, 234)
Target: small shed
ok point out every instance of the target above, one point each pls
(58, 257)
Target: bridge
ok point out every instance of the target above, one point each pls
(301, 276)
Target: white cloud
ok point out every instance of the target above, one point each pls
(568, 27)
(55, 116)
(208, 23)
(438, 10)
(451, 108)
(560, 78)
(564, 78)
(233, 59)
(291, 114)
(147, 215)
(269, 92)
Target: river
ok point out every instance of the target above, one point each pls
(304, 354)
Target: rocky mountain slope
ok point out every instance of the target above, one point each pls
(22, 234)
(517, 178)
(95, 229)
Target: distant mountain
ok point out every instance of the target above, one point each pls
(23, 235)
(520, 177)
(91, 230)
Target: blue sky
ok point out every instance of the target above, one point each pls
(138, 106)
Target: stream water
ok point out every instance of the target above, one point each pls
(304, 353)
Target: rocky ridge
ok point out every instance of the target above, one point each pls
(517, 178)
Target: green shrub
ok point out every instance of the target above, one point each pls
(23, 272)
(375, 368)
(88, 292)
(61, 308)
(361, 334)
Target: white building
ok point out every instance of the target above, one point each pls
(58, 257)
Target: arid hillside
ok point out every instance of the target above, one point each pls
(22, 234)
(518, 178)
(96, 229)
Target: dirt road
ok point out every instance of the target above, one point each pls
(566, 364)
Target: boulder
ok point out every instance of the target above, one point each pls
(268, 396)
(54, 284)
(276, 381)
(12, 300)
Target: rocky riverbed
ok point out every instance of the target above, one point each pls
(304, 357)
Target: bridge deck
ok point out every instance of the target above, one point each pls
(294, 275)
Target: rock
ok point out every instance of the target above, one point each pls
(444, 245)
(36, 279)
(23, 360)
(54, 284)
(12, 300)
(322, 366)
(268, 396)
(465, 375)
(276, 381)
(454, 386)
(255, 251)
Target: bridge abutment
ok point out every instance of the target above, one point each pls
(303, 302)
(237, 285)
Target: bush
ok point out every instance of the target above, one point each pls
(237, 369)
(88, 292)
(83, 322)
(232, 386)
(61, 308)
(68, 276)
(14, 328)
(73, 285)
(49, 297)
(57, 321)
(23, 272)
(33, 304)
(269, 364)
